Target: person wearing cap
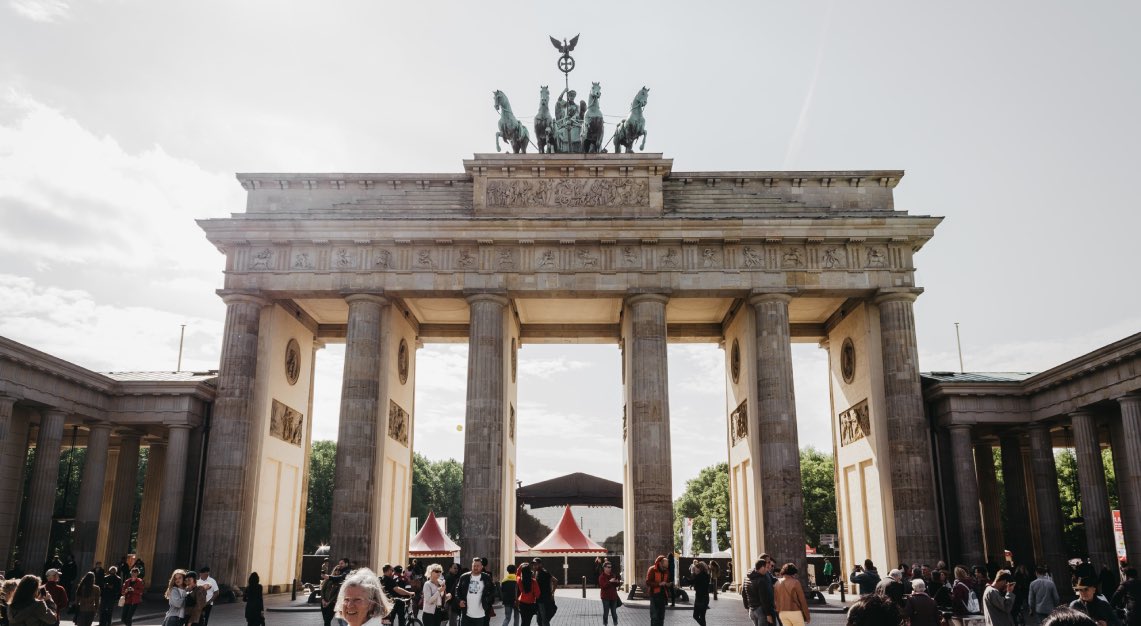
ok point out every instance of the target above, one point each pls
(658, 589)
(1099, 610)
(998, 600)
(56, 590)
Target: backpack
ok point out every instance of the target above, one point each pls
(973, 603)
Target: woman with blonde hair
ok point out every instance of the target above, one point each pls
(362, 601)
(434, 595)
(176, 598)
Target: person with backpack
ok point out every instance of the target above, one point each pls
(964, 600)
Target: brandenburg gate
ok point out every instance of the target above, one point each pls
(550, 248)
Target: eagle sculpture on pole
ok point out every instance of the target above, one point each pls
(565, 47)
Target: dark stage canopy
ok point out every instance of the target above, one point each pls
(572, 489)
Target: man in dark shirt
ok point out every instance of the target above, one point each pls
(1128, 595)
(1099, 610)
(394, 588)
(546, 591)
(920, 608)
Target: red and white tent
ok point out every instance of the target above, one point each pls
(567, 540)
(521, 546)
(431, 541)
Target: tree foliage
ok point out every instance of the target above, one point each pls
(818, 481)
(319, 508)
(1070, 493)
(706, 497)
(437, 487)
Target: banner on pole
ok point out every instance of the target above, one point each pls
(713, 549)
(1119, 534)
(687, 536)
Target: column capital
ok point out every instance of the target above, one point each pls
(1082, 412)
(495, 297)
(8, 398)
(960, 427)
(647, 296)
(98, 425)
(235, 296)
(51, 410)
(1039, 425)
(1133, 397)
(376, 297)
(178, 426)
(758, 296)
(897, 294)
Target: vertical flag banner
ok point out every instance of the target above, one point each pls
(687, 536)
(713, 549)
(1119, 534)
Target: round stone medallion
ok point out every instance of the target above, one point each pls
(292, 361)
(402, 361)
(848, 360)
(735, 361)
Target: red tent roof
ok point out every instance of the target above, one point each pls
(567, 538)
(431, 540)
(520, 545)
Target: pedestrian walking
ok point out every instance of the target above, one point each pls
(175, 597)
(1043, 596)
(701, 582)
(528, 594)
(255, 605)
(212, 589)
(453, 602)
(476, 592)
(508, 590)
(436, 595)
(56, 591)
(920, 608)
(658, 588)
(330, 587)
(964, 599)
(6, 590)
(361, 600)
(757, 593)
(1128, 595)
(393, 586)
(132, 596)
(86, 600)
(714, 577)
(791, 603)
(1099, 610)
(547, 585)
(998, 600)
(109, 593)
(608, 592)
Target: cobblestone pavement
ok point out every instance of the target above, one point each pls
(573, 611)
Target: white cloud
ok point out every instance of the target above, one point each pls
(548, 368)
(41, 10)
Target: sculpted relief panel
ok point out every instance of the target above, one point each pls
(568, 192)
(286, 423)
(855, 423)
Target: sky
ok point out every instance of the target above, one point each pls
(121, 122)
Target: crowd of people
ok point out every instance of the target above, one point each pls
(918, 595)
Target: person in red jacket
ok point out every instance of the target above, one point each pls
(56, 591)
(608, 585)
(132, 596)
(658, 589)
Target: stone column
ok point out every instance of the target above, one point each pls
(483, 429)
(1020, 542)
(1095, 495)
(1048, 503)
(967, 495)
(782, 503)
(170, 504)
(228, 491)
(90, 504)
(988, 502)
(13, 451)
(41, 491)
(908, 433)
(123, 499)
(352, 516)
(7, 403)
(1129, 482)
(149, 528)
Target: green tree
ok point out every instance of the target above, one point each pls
(318, 510)
(706, 497)
(1070, 493)
(437, 487)
(818, 482)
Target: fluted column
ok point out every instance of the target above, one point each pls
(41, 490)
(908, 433)
(483, 428)
(353, 511)
(89, 506)
(1129, 485)
(967, 492)
(12, 457)
(1020, 542)
(228, 492)
(988, 502)
(170, 504)
(782, 500)
(153, 488)
(1049, 504)
(7, 403)
(1095, 495)
(123, 500)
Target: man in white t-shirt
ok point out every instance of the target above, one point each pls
(211, 585)
(476, 594)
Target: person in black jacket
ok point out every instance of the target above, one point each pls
(109, 592)
(255, 605)
(476, 593)
(1128, 595)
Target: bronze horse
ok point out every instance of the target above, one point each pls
(544, 138)
(593, 123)
(634, 126)
(512, 130)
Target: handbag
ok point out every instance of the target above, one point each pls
(619, 602)
(122, 601)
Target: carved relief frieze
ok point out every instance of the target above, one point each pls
(752, 257)
(402, 361)
(424, 259)
(511, 423)
(547, 260)
(505, 259)
(262, 259)
(735, 361)
(670, 259)
(877, 257)
(304, 260)
(586, 259)
(792, 257)
(855, 423)
(739, 423)
(285, 423)
(382, 259)
(344, 259)
(518, 193)
(397, 423)
(292, 361)
(466, 260)
(631, 256)
(833, 257)
(710, 257)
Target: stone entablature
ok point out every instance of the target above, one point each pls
(38, 378)
(1103, 375)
